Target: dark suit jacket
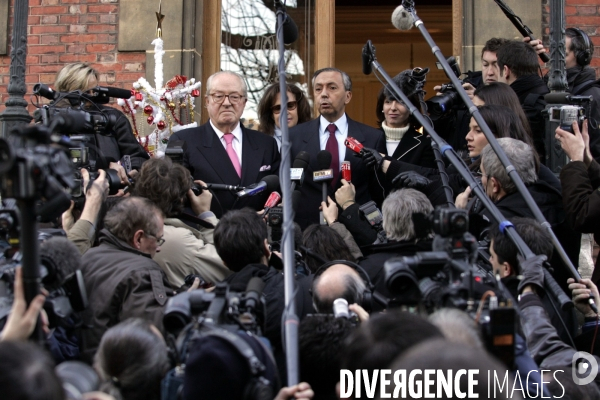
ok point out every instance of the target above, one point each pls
(207, 160)
(305, 137)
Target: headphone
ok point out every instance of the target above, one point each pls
(369, 297)
(584, 57)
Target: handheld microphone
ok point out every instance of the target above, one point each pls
(252, 190)
(272, 201)
(367, 55)
(298, 168)
(402, 17)
(324, 175)
(269, 183)
(220, 186)
(354, 145)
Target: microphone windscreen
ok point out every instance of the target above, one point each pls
(557, 98)
(272, 182)
(366, 59)
(402, 19)
(61, 258)
(255, 284)
(290, 30)
(324, 160)
(301, 160)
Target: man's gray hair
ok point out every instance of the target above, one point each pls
(398, 209)
(354, 288)
(240, 77)
(130, 215)
(345, 77)
(520, 155)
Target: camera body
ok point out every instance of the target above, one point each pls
(449, 98)
(567, 114)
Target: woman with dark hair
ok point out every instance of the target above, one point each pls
(503, 122)
(501, 94)
(404, 139)
(269, 110)
(131, 360)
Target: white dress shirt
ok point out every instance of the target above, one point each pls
(341, 134)
(237, 141)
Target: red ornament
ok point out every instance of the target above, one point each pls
(162, 98)
(181, 79)
(195, 93)
(161, 125)
(148, 110)
(150, 120)
(139, 96)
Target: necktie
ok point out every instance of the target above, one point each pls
(232, 154)
(332, 147)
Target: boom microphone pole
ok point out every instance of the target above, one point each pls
(403, 18)
(285, 29)
(464, 171)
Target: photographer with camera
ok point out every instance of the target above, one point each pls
(187, 250)
(83, 231)
(109, 146)
(121, 279)
(580, 178)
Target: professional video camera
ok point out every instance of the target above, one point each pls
(84, 122)
(221, 307)
(439, 105)
(449, 277)
(446, 276)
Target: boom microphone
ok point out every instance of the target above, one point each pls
(290, 30)
(269, 182)
(220, 186)
(366, 58)
(402, 17)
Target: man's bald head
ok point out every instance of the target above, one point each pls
(337, 281)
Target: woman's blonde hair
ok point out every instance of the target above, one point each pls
(74, 76)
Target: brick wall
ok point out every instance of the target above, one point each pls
(65, 31)
(582, 14)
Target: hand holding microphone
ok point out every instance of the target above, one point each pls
(371, 157)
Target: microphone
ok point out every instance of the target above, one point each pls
(290, 29)
(271, 202)
(367, 55)
(298, 168)
(557, 98)
(402, 17)
(253, 293)
(112, 92)
(354, 145)
(324, 175)
(220, 186)
(269, 182)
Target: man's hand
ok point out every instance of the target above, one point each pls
(371, 157)
(21, 320)
(532, 271)
(572, 143)
(299, 391)
(463, 199)
(68, 220)
(121, 172)
(535, 44)
(470, 89)
(410, 179)
(345, 195)
(363, 315)
(581, 292)
(330, 211)
(98, 188)
(202, 202)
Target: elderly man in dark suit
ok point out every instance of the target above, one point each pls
(332, 91)
(225, 152)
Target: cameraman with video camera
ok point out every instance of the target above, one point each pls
(118, 140)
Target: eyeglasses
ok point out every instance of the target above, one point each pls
(291, 105)
(219, 98)
(158, 241)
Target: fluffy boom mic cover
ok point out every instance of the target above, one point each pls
(402, 19)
